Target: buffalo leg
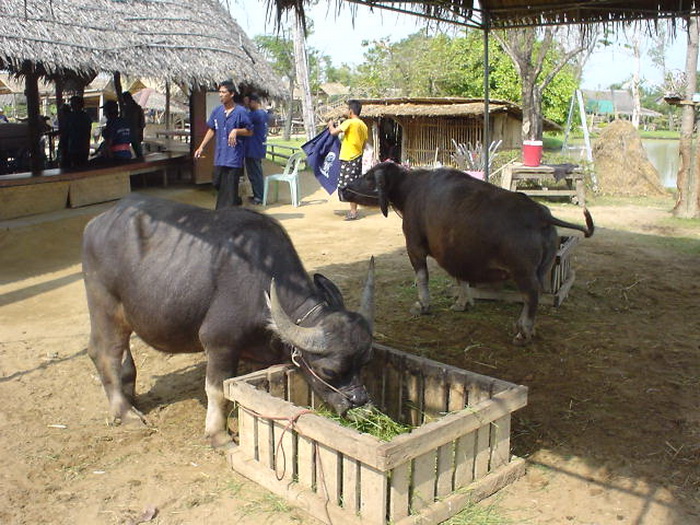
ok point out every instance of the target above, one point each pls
(220, 366)
(464, 297)
(419, 263)
(525, 326)
(422, 306)
(109, 350)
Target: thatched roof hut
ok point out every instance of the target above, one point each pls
(189, 42)
(420, 130)
(519, 13)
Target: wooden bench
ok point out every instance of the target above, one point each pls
(516, 173)
(26, 193)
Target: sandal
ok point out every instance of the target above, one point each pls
(351, 216)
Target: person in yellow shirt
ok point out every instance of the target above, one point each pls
(351, 147)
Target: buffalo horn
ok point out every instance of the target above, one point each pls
(367, 303)
(308, 339)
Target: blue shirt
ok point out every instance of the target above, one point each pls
(118, 132)
(256, 144)
(225, 155)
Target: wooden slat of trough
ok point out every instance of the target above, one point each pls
(419, 362)
(500, 442)
(480, 489)
(347, 441)
(302, 497)
(445, 469)
(398, 494)
(423, 480)
(328, 474)
(373, 497)
(351, 480)
(449, 428)
(464, 460)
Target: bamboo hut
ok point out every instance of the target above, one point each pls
(420, 131)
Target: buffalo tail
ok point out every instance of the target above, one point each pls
(587, 231)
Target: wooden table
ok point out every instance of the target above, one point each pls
(515, 173)
(183, 135)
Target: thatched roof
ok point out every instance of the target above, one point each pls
(149, 98)
(519, 13)
(435, 107)
(191, 42)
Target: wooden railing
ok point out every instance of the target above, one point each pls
(280, 151)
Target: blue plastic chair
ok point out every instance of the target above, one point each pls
(290, 175)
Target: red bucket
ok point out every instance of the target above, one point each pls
(532, 152)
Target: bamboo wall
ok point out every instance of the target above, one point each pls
(427, 140)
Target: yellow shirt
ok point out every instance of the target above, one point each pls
(354, 140)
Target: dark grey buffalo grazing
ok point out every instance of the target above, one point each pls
(476, 231)
(188, 279)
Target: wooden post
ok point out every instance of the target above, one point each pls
(167, 105)
(118, 89)
(31, 91)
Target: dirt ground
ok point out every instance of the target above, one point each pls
(611, 433)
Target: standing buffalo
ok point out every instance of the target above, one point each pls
(476, 231)
(188, 279)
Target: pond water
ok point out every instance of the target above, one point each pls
(663, 154)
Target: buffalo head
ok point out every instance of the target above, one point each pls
(332, 351)
(373, 187)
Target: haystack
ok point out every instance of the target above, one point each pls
(622, 165)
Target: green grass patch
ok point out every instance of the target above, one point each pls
(368, 420)
(475, 514)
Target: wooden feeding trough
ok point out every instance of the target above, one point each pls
(561, 278)
(458, 452)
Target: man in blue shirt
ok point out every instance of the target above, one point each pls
(256, 146)
(116, 134)
(229, 123)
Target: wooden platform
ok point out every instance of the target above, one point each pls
(23, 194)
(572, 185)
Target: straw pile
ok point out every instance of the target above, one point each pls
(622, 165)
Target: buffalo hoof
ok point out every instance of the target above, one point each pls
(419, 309)
(521, 340)
(460, 307)
(131, 417)
(222, 441)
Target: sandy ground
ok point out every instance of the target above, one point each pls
(611, 432)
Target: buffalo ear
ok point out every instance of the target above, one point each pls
(329, 291)
(380, 183)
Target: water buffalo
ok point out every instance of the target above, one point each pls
(476, 231)
(188, 279)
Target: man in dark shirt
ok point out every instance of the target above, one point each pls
(77, 135)
(256, 146)
(116, 134)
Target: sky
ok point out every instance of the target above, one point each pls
(334, 35)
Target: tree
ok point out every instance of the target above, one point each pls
(301, 65)
(529, 53)
(635, 40)
(279, 51)
(421, 65)
(688, 180)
